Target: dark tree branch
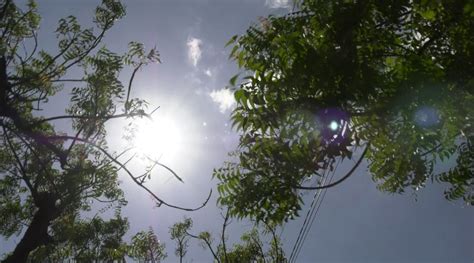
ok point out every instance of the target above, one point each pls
(25, 178)
(130, 85)
(69, 149)
(105, 118)
(340, 180)
(432, 150)
(224, 226)
(69, 80)
(41, 162)
(36, 234)
(35, 37)
(208, 244)
(84, 54)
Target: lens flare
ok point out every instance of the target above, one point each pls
(333, 123)
(334, 126)
(427, 117)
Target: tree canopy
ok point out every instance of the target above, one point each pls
(387, 82)
(49, 178)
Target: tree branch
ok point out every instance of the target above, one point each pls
(130, 85)
(105, 118)
(25, 178)
(167, 168)
(43, 166)
(340, 180)
(224, 226)
(207, 242)
(121, 165)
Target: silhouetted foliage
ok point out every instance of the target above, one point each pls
(251, 247)
(146, 247)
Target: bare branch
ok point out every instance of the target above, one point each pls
(340, 180)
(35, 37)
(121, 165)
(167, 168)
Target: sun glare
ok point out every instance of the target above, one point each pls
(334, 126)
(158, 138)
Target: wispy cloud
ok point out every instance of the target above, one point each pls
(208, 72)
(194, 50)
(277, 3)
(224, 98)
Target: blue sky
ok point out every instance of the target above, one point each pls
(356, 223)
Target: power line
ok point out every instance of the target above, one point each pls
(304, 227)
(315, 212)
(311, 215)
(305, 222)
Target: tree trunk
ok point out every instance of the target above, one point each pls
(37, 233)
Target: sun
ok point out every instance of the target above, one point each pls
(157, 138)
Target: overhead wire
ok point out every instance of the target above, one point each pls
(322, 194)
(305, 222)
(311, 215)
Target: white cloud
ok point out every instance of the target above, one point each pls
(277, 3)
(194, 50)
(223, 97)
(208, 72)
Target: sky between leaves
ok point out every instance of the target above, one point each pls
(356, 223)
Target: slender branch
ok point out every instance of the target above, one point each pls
(224, 226)
(167, 168)
(124, 163)
(130, 85)
(432, 150)
(42, 165)
(148, 172)
(275, 240)
(74, 141)
(257, 241)
(340, 180)
(105, 118)
(209, 245)
(66, 48)
(35, 37)
(25, 178)
(69, 80)
(83, 55)
(121, 165)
